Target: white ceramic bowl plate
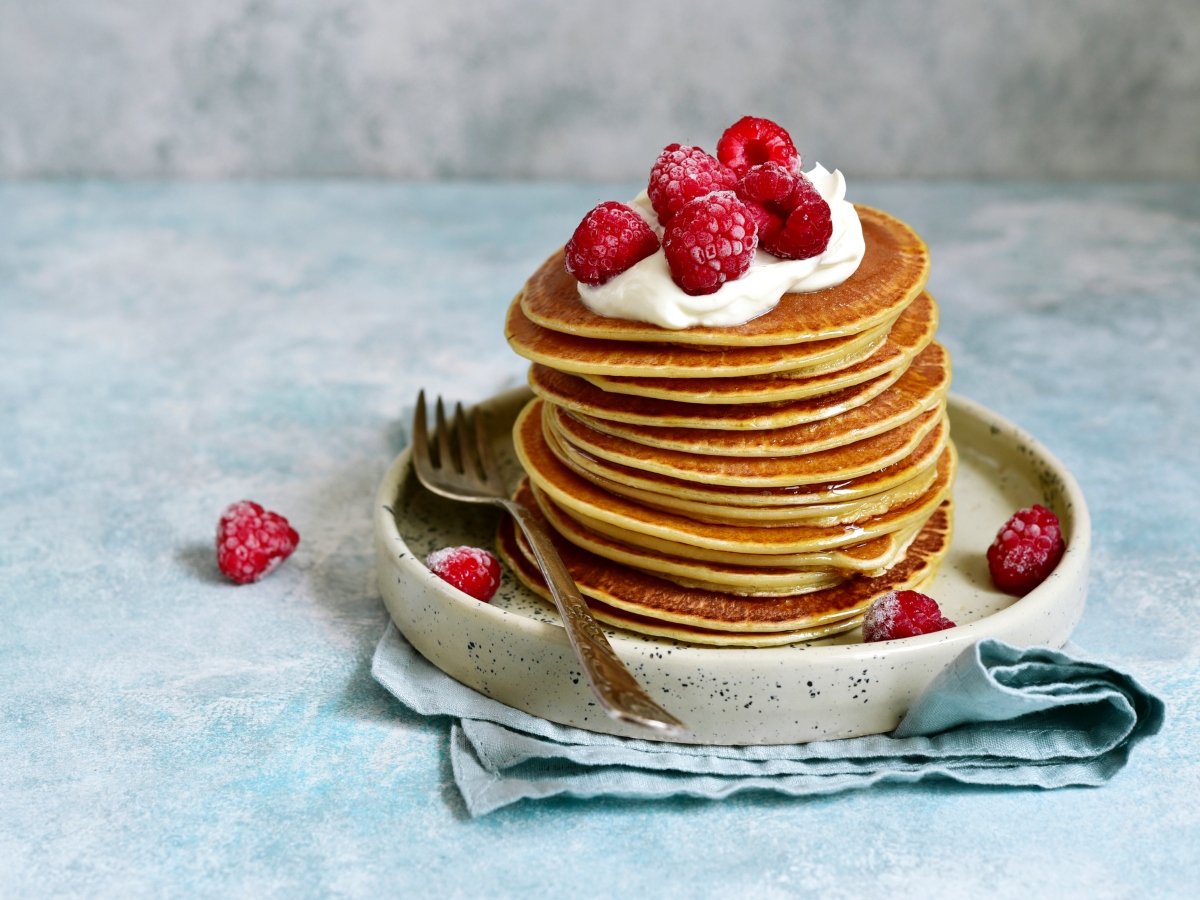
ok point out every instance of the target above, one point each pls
(514, 650)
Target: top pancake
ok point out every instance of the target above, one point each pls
(892, 273)
(593, 356)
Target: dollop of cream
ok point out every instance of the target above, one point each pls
(646, 293)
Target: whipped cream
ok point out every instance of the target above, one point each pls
(646, 293)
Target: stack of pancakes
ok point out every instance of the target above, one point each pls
(752, 485)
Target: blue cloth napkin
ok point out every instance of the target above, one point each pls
(998, 715)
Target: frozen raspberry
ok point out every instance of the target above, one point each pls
(681, 174)
(1026, 550)
(471, 570)
(609, 240)
(767, 183)
(751, 142)
(808, 227)
(252, 542)
(768, 223)
(901, 614)
(710, 241)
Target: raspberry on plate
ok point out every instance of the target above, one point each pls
(901, 614)
(710, 241)
(751, 142)
(681, 174)
(767, 183)
(1026, 550)
(251, 542)
(471, 570)
(809, 226)
(610, 239)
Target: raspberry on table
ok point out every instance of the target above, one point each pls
(471, 570)
(684, 173)
(1026, 550)
(901, 614)
(710, 241)
(809, 226)
(751, 142)
(610, 239)
(767, 183)
(251, 542)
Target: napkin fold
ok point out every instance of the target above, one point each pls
(998, 715)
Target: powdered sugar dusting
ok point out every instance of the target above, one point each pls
(470, 569)
(880, 619)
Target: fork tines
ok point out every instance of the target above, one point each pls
(462, 449)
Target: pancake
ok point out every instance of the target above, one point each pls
(637, 594)
(579, 395)
(910, 334)
(813, 513)
(657, 628)
(593, 356)
(893, 271)
(509, 547)
(740, 580)
(922, 387)
(836, 464)
(921, 460)
(581, 497)
(744, 577)
(640, 526)
(666, 601)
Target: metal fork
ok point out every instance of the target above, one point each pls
(473, 477)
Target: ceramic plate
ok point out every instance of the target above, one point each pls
(514, 650)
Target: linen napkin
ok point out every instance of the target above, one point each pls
(998, 715)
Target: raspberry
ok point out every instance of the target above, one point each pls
(710, 241)
(1026, 550)
(901, 614)
(471, 570)
(681, 174)
(251, 542)
(808, 227)
(751, 142)
(767, 183)
(609, 240)
(768, 223)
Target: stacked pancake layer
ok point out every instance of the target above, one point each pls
(746, 486)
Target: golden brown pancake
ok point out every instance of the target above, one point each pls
(893, 271)
(510, 543)
(640, 526)
(838, 463)
(636, 593)
(910, 335)
(922, 387)
(592, 356)
(745, 577)
(667, 601)
(598, 509)
(921, 460)
(579, 395)
(733, 579)
(846, 512)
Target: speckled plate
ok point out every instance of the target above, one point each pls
(514, 650)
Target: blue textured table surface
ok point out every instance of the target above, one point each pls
(168, 349)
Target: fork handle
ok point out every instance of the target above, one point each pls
(618, 691)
